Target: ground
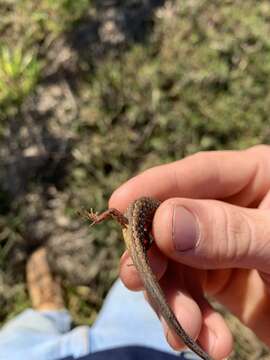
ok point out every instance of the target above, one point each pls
(94, 92)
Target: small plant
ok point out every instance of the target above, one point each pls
(19, 72)
(55, 17)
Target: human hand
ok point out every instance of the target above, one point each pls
(212, 235)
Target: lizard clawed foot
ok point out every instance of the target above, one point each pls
(90, 215)
(96, 218)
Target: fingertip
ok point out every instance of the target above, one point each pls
(191, 324)
(157, 182)
(136, 187)
(129, 274)
(121, 197)
(215, 335)
(210, 330)
(130, 191)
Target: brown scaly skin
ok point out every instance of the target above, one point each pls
(136, 226)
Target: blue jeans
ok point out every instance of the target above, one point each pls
(125, 319)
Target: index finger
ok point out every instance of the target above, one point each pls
(240, 177)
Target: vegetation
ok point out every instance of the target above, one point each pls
(93, 92)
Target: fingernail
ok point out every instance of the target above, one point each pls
(185, 229)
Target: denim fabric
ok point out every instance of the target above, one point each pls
(125, 319)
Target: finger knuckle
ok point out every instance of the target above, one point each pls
(238, 233)
(260, 148)
(230, 233)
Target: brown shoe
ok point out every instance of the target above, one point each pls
(44, 290)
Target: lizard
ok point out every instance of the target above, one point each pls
(136, 227)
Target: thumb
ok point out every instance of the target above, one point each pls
(210, 234)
